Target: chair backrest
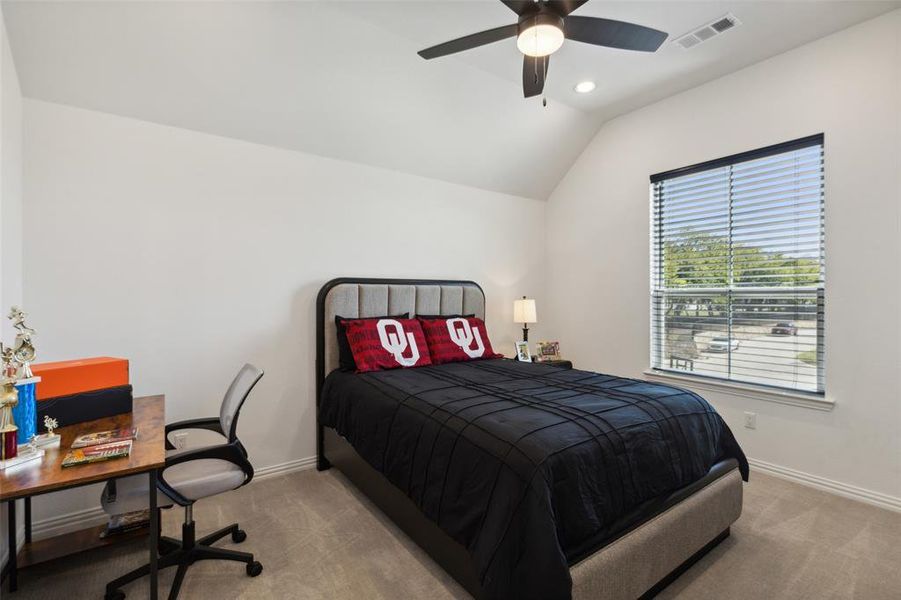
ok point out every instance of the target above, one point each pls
(234, 398)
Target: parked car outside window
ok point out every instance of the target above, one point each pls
(722, 344)
(785, 328)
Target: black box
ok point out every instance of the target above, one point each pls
(86, 406)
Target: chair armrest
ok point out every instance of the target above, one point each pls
(228, 452)
(209, 423)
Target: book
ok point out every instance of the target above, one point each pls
(101, 452)
(108, 532)
(104, 437)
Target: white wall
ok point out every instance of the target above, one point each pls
(845, 85)
(10, 204)
(10, 183)
(189, 254)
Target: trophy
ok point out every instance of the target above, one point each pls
(23, 348)
(15, 366)
(9, 398)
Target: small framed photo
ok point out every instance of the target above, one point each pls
(545, 351)
(522, 352)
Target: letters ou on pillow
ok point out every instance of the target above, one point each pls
(345, 356)
(457, 339)
(379, 344)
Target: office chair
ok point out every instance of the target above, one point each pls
(189, 475)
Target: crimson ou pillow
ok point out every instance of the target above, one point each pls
(379, 344)
(457, 339)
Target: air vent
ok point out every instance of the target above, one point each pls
(705, 33)
(708, 31)
(687, 41)
(727, 22)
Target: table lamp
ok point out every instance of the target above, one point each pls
(524, 312)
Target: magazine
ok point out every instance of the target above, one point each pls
(121, 524)
(101, 452)
(105, 437)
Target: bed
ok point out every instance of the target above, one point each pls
(525, 480)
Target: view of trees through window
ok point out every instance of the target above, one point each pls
(702, 260)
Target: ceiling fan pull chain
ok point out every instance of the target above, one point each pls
(544, 69)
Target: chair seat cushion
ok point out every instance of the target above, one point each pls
(193, 479)
(198, 479)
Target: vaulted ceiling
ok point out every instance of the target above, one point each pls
(342, 79)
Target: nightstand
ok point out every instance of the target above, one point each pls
(562, 364)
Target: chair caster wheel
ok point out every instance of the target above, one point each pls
(116, 595)
(254, 568)
(239, 535)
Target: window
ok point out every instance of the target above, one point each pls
(737, 268)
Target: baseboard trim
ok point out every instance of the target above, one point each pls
(292, 466)
(75, 521)
(828, 485)
(62, 524)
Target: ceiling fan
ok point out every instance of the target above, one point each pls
(540, 31)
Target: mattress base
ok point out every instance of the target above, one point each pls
(640, 563)
(653, 555)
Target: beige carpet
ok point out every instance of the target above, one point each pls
(319, 538)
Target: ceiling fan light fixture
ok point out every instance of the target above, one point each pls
(540, 35)
(540, 40)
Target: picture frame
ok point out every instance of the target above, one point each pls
(547, 351)
(522, 352)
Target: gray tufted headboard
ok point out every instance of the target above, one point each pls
(349, 297)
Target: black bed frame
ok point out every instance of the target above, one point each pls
(444, 550)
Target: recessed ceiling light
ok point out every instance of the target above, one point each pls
(583, 87)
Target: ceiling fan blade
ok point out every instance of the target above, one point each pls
(613, 34)
(534, 74)
(564, 7)
(470, 41)
(520, 7)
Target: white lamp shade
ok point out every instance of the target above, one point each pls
(524, 311)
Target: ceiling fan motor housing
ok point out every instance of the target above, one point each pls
(544, 16)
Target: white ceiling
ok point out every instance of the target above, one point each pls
(342, 79)
(629, 80)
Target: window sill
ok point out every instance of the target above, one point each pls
(744, 390)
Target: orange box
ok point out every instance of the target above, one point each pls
(75, 376)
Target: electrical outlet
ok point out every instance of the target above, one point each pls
(751, 420)
(180, 440)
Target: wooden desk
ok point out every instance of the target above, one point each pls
(148, 455)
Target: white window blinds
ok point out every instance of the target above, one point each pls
(737, 269)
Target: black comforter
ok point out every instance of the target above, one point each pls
(527, 465)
